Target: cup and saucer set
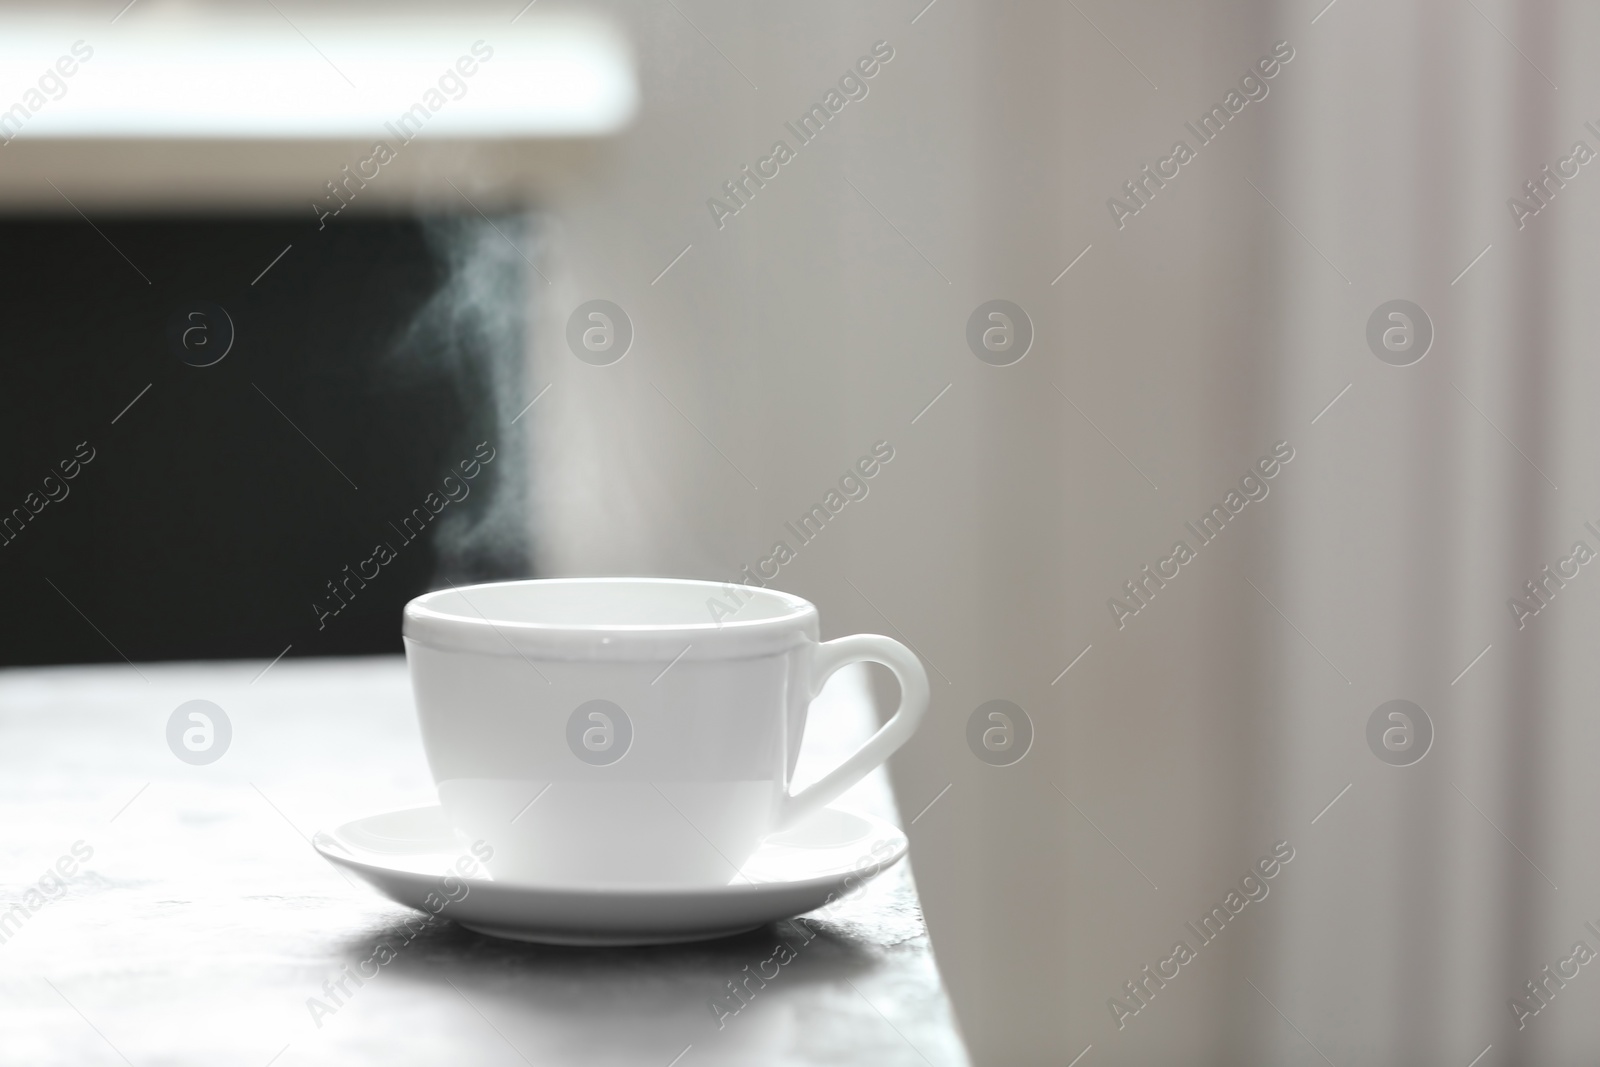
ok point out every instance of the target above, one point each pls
(614, 763)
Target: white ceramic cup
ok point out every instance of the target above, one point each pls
(619, 731)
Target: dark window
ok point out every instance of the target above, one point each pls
(233, 508)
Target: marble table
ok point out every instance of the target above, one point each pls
(158, 912)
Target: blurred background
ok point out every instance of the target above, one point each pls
(1365, 272)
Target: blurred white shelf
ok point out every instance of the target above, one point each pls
(165, 72)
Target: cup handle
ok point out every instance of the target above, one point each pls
(829, 657)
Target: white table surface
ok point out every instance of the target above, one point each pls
(204, 921)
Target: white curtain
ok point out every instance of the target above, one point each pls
(1222, 318)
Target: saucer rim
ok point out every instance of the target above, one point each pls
(901, 848)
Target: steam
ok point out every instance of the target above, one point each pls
(471, 334)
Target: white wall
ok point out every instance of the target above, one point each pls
(1218, 322)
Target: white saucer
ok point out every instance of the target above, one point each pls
(406, 856)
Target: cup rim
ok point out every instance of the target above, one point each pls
(427, 623)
